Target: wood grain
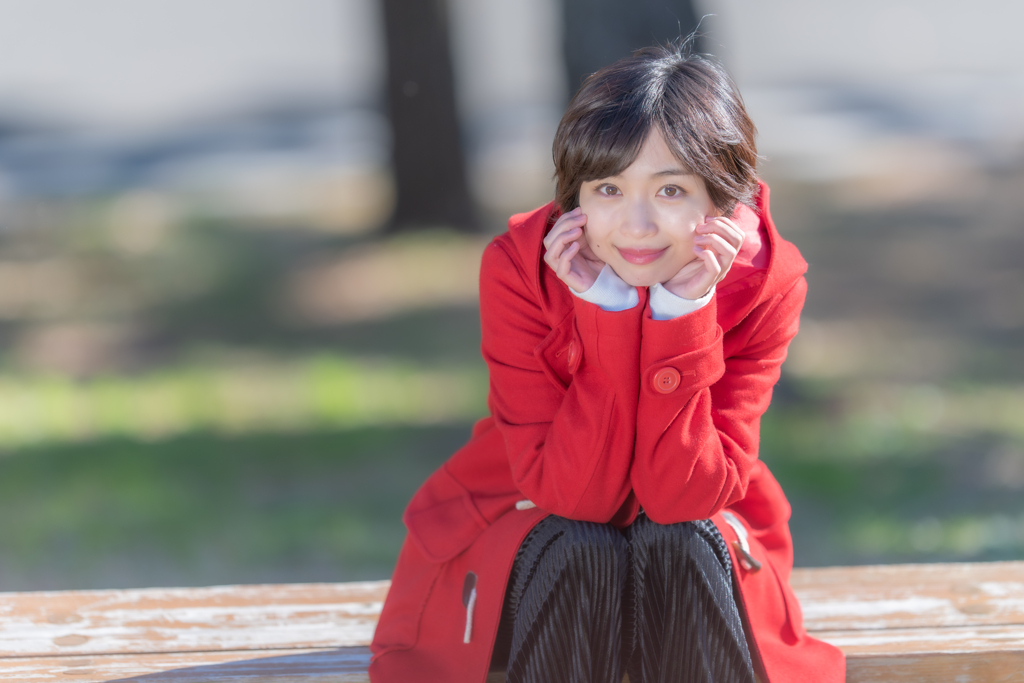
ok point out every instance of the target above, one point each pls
(911, 596)
(948, 622)
(349, 666)
(996, 667)
(915, 641)
(346, 665)
(189, 619)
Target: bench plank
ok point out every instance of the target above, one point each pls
(911, 596)
(962, 622)
(189, 619)
(922, 641)
(1001, 667)
(919, 623)
(347, 665)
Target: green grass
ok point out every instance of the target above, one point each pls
(226, 442)
(269, 395)
(207, 509)
(884, 473)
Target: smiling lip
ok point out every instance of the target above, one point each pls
(641, 257)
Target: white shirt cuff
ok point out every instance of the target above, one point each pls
(610, 292)
(666, 306)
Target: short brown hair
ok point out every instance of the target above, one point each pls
(689, 96)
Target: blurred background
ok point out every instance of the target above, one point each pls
(239, 243)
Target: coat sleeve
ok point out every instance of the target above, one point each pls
(569, 447)
(700, 412)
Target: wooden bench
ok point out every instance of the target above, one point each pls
(940, 622)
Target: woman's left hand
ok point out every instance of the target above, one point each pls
(717, 243)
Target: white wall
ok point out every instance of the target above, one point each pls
(853, 89)
(838, 89)
(151, 62)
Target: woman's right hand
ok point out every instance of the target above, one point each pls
(568, 253)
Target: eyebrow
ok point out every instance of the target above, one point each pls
(673, 171)
(678, 170)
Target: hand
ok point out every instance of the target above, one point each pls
(568, 253)
(716, 245)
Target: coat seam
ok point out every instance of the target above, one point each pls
(605, 436)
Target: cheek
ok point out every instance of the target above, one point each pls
(684, 229)
(598, 242)
(596, 230)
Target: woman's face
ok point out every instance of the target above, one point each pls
(641, 222)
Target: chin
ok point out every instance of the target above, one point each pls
(639, 279)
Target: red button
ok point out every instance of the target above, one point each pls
(571, 357)
(666, 380)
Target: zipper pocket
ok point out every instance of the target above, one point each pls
(741, 546)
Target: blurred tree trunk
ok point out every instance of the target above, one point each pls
(599, 32)
(430, 174)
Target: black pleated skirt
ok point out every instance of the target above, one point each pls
(587, 602)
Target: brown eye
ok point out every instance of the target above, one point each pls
(671, 191)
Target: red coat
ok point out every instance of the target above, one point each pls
(579, 428)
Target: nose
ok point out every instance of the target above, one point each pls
(639, 220)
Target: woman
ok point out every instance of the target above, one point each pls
(611, 513)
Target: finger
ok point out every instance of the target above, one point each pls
(551, 257)
(568, 237)
(567, 254)
(722, 220)
(700, 281)
(711, 264)
(566, 232)
(732, 232)
(691, 270)
(553, 234)
(724, 227)
(568, 221)
(718, 244)
(565, 261)
(558, 245)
